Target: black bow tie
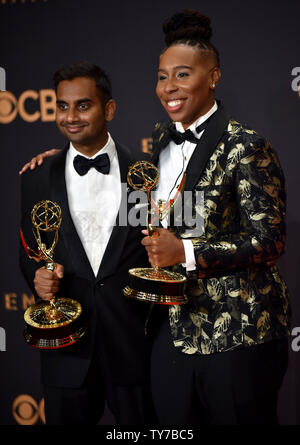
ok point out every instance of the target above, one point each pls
(188, 135)
(101, 163)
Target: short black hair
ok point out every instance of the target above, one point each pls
(85, 69)
(191, 28)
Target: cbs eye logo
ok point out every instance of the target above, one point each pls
(31, 106)
(26, 411)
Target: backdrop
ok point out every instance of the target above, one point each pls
(259, 48)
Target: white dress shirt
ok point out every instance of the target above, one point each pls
(94, 200)
(173, 161)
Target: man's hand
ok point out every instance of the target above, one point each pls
(46, 282)
(163, 248)
(38, 160)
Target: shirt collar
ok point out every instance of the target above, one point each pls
(198, 122)
(108, 148)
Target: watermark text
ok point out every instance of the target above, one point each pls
(2, 339)
(2, 79)
(296, 81)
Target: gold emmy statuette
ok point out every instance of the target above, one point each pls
(56, 323)
(153, 285)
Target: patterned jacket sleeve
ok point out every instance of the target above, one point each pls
(259, 194)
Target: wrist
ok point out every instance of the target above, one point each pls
(181, 252)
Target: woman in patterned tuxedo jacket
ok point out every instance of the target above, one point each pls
(220, 358)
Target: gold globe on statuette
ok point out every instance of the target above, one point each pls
(152, 284)
(59, 322)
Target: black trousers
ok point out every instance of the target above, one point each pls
(130, 405)
(227, 388)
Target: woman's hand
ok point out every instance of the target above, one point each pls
(163, 248)
(38, 160)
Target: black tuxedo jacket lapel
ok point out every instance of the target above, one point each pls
(119, 234)
(205, 147)
(67, 231)
(155, 155)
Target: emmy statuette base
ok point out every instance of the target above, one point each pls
(156, 286)
(48, 327)
(154, 298)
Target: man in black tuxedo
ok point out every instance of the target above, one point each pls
(93, 256)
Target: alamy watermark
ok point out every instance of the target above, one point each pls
(187, 211)
(2, 339)
(2, 79)
(295, 345)
(296, 81)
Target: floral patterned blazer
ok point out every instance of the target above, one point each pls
(237, 297)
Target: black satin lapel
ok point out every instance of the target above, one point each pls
(67, 231)
(155, 156)
(204, 149)
(119, 233)
(125, 161)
